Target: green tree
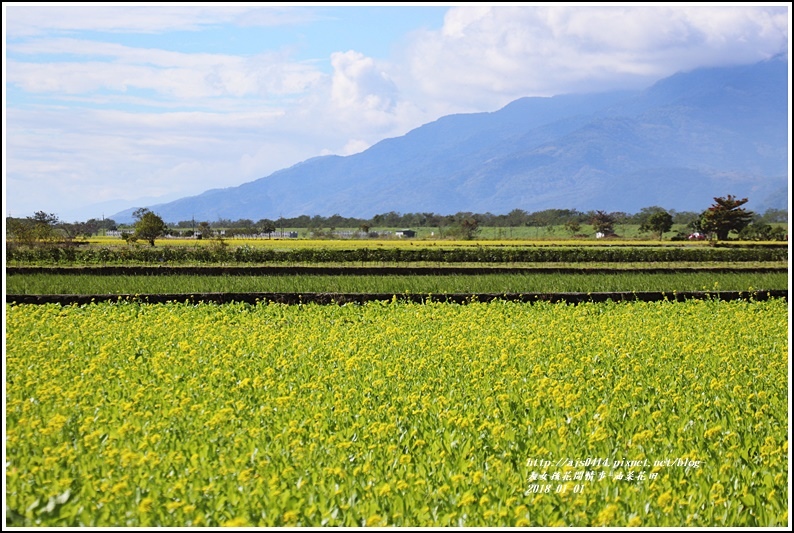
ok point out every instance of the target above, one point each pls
(515, 218)
(40, 228)
(760, 231)
(774, 215)
(684, 217)
(148, 226)
(204, 230)
(469, 227)
(266, 225)
(72, 230)
(573, 226)
(44, 225)
(726, 215)
(20, 231)
(645, 213)
(603, 222)
(659, 223)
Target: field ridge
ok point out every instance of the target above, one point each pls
(326, 298)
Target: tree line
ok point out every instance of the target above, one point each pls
(572, 219)
(393, 219)
(724, 216)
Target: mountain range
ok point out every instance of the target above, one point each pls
(677, 144)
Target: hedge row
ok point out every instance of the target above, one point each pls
(355, 270)
(360, 298)
(249, 254)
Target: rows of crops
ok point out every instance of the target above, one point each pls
(499, 414)
(418, 254)
(490, 283)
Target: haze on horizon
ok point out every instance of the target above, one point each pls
(125, 102)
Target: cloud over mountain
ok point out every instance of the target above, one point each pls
(678, 143)
(126, 101)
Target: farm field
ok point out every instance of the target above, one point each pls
(486, 233)
(405, 255)
(396, 242)
(395, 413)
(399, 414)
(78, 283)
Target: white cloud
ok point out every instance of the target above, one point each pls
(360, 85)
(97, 155)
(485, 56)
(355, 146)
(359, 106)
(187, 76)
(37, 19)
(458, 21)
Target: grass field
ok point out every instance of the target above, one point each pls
(494, 283)
(502, 414)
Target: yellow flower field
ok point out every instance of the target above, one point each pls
(397, 414)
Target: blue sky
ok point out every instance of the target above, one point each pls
(123, 105)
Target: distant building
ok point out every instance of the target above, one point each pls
(405, 233)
